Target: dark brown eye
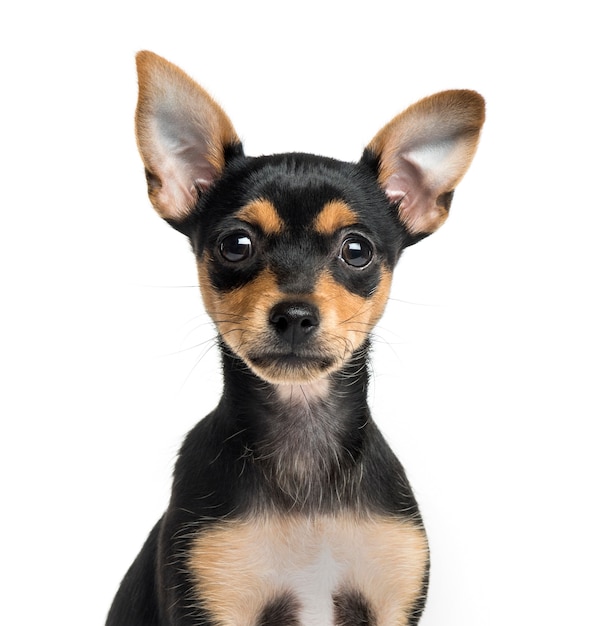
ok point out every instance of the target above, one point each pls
(236, 247)
(356, 251)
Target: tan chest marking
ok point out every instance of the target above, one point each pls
(240, 566)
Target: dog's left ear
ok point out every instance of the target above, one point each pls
(183, 136)
(424, 152)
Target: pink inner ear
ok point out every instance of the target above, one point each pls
(405, 183)
(397, 188)
(181, 166)
(202, 184)
(418, 175)
(417, 210)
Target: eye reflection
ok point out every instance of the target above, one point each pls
(356, 251)
(236, 247)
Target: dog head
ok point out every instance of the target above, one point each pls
(295, 252)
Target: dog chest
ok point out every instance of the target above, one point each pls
(311, 571)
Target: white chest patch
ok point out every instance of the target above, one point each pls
(239, 567)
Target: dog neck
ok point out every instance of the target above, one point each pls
(304, 438)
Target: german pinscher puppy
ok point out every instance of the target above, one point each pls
(288, 508)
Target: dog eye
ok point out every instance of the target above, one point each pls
(236, 247)
(356, 251)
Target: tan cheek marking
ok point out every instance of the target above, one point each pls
(381, 295)
(239, 566)
(335, 214)
(262, 214)
(240, 315)
(347, 315)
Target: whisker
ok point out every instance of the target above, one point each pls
(198, 361)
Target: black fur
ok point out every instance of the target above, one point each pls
(281, 612)
(351, 609)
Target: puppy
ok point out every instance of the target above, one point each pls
(288, 507)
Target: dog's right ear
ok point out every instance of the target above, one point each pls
(183, 136)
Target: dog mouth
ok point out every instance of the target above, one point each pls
(277, 367)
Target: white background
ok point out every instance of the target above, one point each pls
(488, 365)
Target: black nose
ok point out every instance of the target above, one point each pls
(294, 322)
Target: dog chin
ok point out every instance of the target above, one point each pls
(291, 369)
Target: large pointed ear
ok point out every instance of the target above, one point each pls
(182, 134)
(424, 152)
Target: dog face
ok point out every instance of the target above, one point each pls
(295, 252)
(297, 270)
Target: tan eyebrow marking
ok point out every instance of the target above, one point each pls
(262, 214)
(335, 214)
